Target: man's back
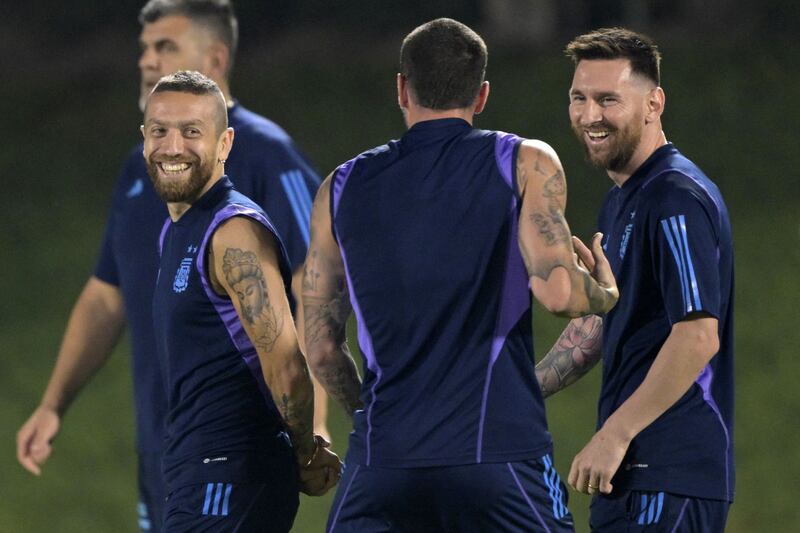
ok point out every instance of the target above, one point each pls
(427, 228)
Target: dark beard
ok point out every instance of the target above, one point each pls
(625, 146)
(184, 192)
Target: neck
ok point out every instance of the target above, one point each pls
(178, 209)
(647, 146)
(414, 114)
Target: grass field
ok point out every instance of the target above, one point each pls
(60, 168)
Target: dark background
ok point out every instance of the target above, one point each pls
(325, 70)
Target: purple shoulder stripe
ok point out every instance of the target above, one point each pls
(223, 305)
(339, 181)
(504, 149)
(515, 297)
(164, 228)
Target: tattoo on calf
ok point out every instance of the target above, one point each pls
(243, 273)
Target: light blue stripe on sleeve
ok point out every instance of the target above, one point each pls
(677, 256)
(206, 505)
(217, 498)
(692, 277)
(303, 194)
(296, 204)
(676, 234)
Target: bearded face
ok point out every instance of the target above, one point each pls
(179, 179)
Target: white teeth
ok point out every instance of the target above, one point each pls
(597, 134)
(174, 167)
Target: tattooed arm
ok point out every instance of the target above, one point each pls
(575, 352)
(558, 281)
(327, 306)
(243, 263)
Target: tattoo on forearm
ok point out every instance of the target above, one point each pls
(243, 273)
(343, 383)
(297, 416)
(577, 350)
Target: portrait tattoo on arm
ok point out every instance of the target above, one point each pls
(243, 273)
(577, 350)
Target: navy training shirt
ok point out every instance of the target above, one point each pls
(266, 166)
(222, 424)
(427, 228)
(668, 239)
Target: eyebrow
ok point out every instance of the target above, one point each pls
(181, 124)
(158, 44)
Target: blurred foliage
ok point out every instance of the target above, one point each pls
(72, 117)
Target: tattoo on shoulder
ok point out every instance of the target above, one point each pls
(243, 273)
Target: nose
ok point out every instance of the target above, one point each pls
(591, 113)
(148, 59)
(173, 143)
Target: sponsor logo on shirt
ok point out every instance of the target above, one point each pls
(214, 460)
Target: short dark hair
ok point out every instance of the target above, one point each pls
(215, 15)
(191, 81)
(444, 62)
(616, 43)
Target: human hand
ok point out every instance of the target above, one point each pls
(34, 438)
(323, 470)
(597, 265)
(595, 465)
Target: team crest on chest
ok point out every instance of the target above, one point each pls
(182, 275)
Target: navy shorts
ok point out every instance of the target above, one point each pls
(654, 512)
(520, 496)
(151, 493)
(228, 507)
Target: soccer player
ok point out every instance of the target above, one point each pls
(235, 377)
(427, 239)
(662, 458)
(264, 164)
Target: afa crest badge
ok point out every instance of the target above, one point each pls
(182, 275)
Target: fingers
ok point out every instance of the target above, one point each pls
(588, 480)
(583, 253)
(30, 451)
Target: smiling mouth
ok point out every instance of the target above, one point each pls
(598, 136)
(173, 169)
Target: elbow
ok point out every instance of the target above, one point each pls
(321, 355)
(554, 294)
(701, 334)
